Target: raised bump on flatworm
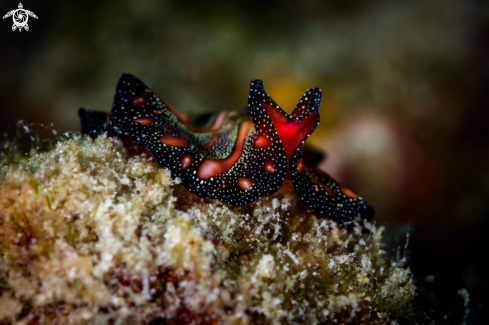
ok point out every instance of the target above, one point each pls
(261, 142)
(173, 141)
(213, 167)
(139, 100)
(186, 160)
(269, 167)
(245, 183)
(145, 120)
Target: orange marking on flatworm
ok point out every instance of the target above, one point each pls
(139, 100)
(269, 167)
(218, 122)
(186, 160)
(245, 183)
(212, 167)
(210, 143)
(173, 141)
(300, 167)
(145, 120)
(348, 192)
(261, 142)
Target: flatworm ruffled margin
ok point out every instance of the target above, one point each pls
(235, 158)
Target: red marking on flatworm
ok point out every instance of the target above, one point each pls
(300, 167)
(245, 166)
(210, 143)
(326, 188)
(186, 160)
(261, 142)
(145, 120)
(269, 167)
(139, 100)
(212, 167)
(173, 141)
(291, 131)
(218, 122)
(348, 192)
(245, 183)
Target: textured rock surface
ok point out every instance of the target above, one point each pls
(89, 234)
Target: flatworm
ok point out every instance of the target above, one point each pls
(235, 157)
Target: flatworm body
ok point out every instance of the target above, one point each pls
(235, 158)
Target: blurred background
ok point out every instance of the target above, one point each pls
(403, 120)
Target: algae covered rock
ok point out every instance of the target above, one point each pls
(91, 235)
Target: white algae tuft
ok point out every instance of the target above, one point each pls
(91, 235)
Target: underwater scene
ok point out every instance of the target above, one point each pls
(244, 162)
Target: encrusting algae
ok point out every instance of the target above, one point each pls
(91, 235)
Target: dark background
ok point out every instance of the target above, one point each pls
(404, 114)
